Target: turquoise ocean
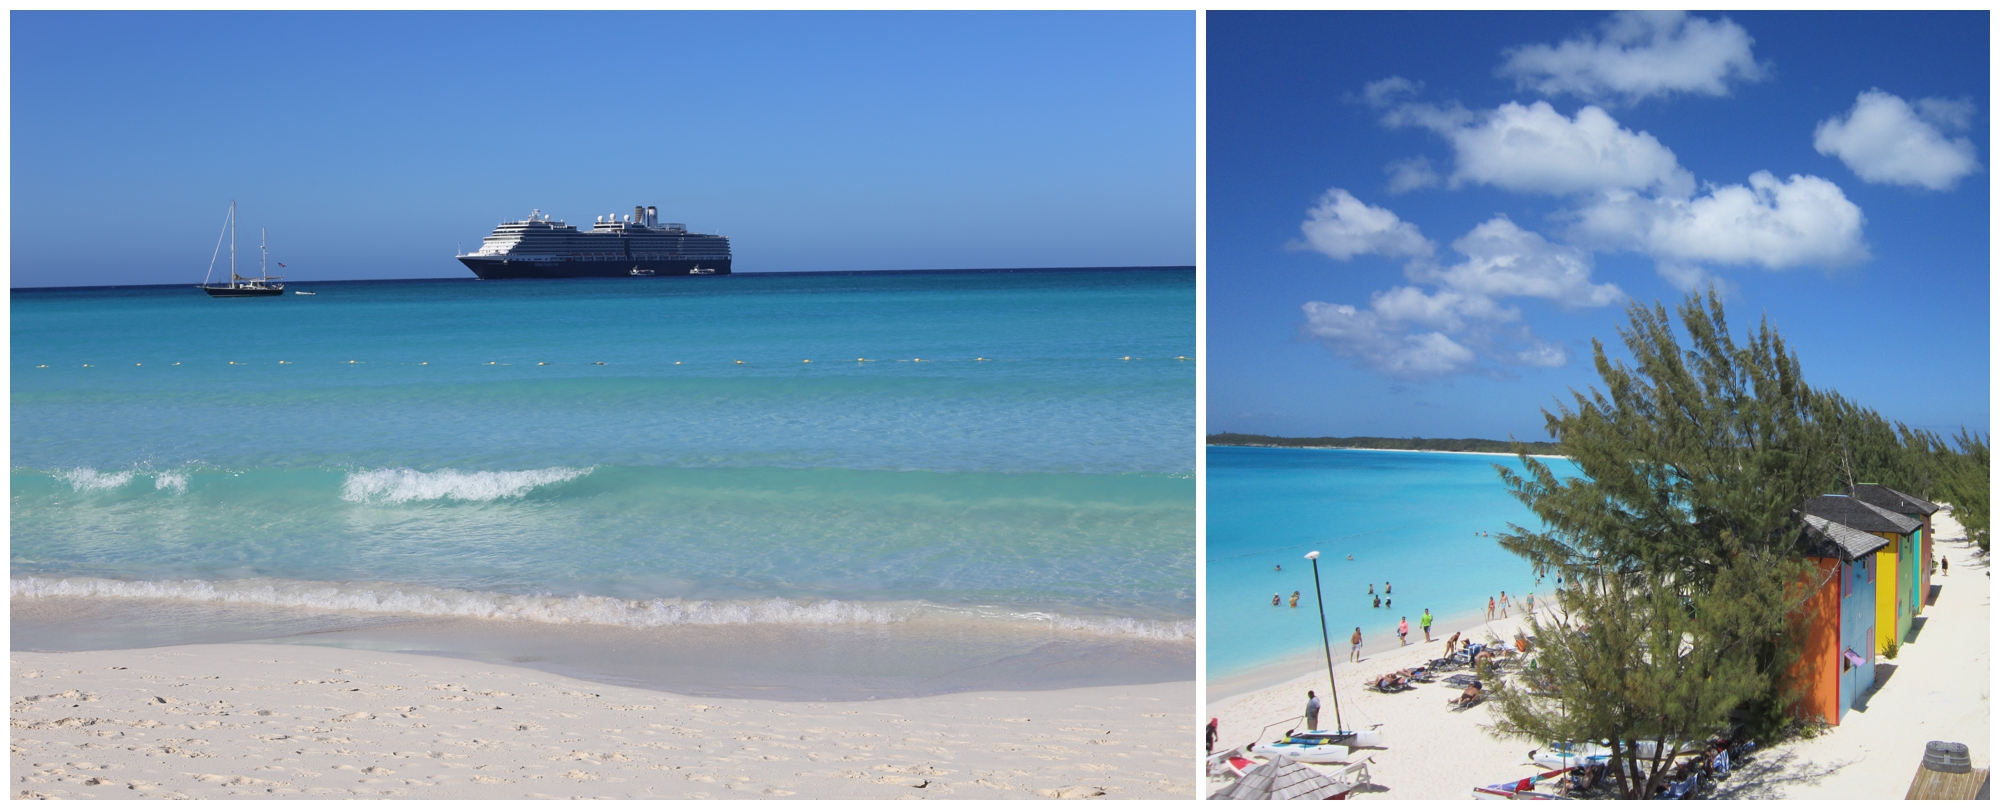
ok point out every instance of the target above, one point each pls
(981, 480)
(1411, 521)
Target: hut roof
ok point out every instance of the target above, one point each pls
(1860, 514)
(1826, 538)
(1892, 500)
(1283, 778)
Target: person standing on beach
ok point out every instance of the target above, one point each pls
(1213, 732)
(1946, 565)
(1403, 632)
(1425, 620)
(1503, 604)
(1531, 603)
(1489, 608)
(1354, 653)
(1312, 711)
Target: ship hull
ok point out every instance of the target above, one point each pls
(647, 268)
(244, 292)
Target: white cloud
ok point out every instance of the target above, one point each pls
(1411, 174)
(1343, 227)
(1504, 261)
(1539, 150)
(1772, 223)
(1380, 93)
(1414, 333)
(1884, 140)
(1638, 55)
(1383, 345)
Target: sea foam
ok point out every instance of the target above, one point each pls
(588, 610)
(404, 485)
(85, 479)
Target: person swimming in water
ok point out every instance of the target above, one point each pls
(1277, 600)
(1378, 600)
(1295, 598)
(1277, 568)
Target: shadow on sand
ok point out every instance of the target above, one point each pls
(1767, 775)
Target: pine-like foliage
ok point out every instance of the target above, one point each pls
(1678, 543)
(1964, 482)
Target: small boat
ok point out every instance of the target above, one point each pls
(303, 292)
(641, 271)
(1522, 788)
(1232, 764)
(1569, 755)
(702, 271)
(1324, 747)
(238, 286)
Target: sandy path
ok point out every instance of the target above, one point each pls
(1937, 688)
(269, 721)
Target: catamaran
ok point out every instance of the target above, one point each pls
(238, 286)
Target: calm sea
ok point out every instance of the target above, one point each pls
(1412, 522)
(640, 481)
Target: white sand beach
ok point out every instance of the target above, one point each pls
(1936, 689)
(267, 720)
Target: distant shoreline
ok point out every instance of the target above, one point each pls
(1488, 447)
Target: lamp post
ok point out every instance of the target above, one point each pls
(1326, 644)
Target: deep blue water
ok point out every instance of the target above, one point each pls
(636, 452)
(1410, 520)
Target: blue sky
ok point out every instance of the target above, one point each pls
(1418, 221)
(372, 144)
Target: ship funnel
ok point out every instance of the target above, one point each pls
(652, 217)
(639, 214)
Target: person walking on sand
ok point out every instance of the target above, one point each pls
(1312, 711)
(1403, 632)
(1213, 732)
(1489, 608)
(1425, 620)
(1531, 603)
(1354, 652)
(1945, 563)
(1503, 604)
(1450, 643)
(1295, 598)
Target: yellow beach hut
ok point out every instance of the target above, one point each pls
(1894, 606)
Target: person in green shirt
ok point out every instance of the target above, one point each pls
(1426, 622)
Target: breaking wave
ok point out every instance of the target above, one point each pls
(590, 610)
(404, 485)
(85, 479)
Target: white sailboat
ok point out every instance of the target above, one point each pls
(238, 286)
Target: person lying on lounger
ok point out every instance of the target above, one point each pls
(1471, 695)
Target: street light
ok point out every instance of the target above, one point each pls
(1326, 644)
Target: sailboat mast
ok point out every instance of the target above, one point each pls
(232, 243)
(263, 254)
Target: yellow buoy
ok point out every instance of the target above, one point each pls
(424, 363)
(232, 362)
(808, 361)
(541, 364)
(177, 362)
(281, 362)
(677, 362)
(350, 362)
(1128, 357)
(739, 362)
(980, 359)
(44, 365)
(917, 360)
(1182, 357)
(138, 364)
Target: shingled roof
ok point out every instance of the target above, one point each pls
(1826, 538)
(1892, 500)
(1860, 514)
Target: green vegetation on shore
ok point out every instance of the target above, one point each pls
(1680, 549)
(1376, 443)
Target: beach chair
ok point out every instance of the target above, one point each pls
(1683, 788)
(1461, 680)
(1370, 686)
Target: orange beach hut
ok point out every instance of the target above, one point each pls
(1837, 665)
(1894, 607)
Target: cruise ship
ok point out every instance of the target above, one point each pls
(636, 245)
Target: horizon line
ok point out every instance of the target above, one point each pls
(746, 273)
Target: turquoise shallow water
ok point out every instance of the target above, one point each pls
(454, 449)
(1410, 520)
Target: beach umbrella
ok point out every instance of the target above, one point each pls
(1283, 778)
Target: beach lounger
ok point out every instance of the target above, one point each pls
(1683, 788)
(1461, 680)
(1522, 788)
(1459, 704)
(1370, 686)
